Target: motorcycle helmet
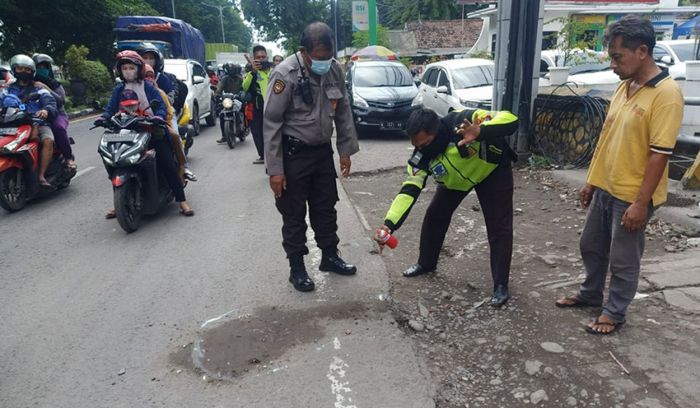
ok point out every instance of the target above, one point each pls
(43, 59)
(21, 60)
(232, 69)
(131, 57)
(148, 47)
(129, 102)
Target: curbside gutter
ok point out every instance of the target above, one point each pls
(81, 113)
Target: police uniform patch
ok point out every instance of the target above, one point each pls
(278, 86)
(439, 170)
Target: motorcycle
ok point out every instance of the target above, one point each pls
(185, 129)
(232, 119)
(139, 187)
(19, 161)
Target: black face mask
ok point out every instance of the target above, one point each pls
(422, 157)
(24, 76)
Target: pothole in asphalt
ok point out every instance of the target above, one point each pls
(225, 350)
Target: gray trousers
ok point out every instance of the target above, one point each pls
(605, 243)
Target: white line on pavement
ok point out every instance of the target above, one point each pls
(83, 171)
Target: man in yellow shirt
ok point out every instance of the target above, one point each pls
(255, 83)
(628, 176)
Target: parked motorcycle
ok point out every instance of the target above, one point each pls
(232, 119)
(139, 187)
(19, 162)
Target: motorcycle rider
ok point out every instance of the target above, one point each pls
(130, 68)
(152, 56)
(232, 82)
(5, 77)
(44, 78)
(44, 109)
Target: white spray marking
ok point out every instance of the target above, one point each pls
(339, 388)
(362, 218)
(83, 171)
(216, 319)
(336, 343)
(364, 193)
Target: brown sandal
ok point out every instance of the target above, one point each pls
(614, 327)
(573, 301)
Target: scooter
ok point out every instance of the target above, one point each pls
(139, 187)
(19, 161)
(232, 119)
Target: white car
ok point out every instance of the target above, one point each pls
(673, 54)
(199, 96)
(592, 69)
(456, 85)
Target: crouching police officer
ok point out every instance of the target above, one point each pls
(465, 150)
(305, 96)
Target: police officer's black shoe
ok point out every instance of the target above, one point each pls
(500, 296)
(221, 141)
(416, 270)
(333, 263)
(302, 282)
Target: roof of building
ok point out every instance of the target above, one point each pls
(445, 37)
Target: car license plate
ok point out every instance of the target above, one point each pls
(391, 125)
(8, 131)
(119, 138)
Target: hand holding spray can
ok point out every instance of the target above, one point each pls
(385, 238)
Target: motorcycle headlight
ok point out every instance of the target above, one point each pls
(227, 103)
(357, 101)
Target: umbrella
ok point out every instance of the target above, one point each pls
(375, 53)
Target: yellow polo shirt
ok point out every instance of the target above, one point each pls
(647, 122)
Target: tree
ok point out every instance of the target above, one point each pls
(207, 20)
(285, 19)
(361, 38)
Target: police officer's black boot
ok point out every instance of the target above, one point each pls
(500, 296)
(331, 262)
(298, 276)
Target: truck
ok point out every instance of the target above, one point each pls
(175, 38)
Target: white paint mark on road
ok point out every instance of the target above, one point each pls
(362, 218)
(83, 171)
(315, 258)
(336, 343)
(215, 319)
(339, 388)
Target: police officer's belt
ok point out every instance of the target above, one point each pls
(295, 145)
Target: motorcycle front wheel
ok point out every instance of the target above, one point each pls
(230, 131)
(128, 205)
(13, 191)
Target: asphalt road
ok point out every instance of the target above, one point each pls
(93, 317)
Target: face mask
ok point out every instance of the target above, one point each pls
(43, 72)
(321, 67)
(129, 75)
(24, 76)
(435, 148)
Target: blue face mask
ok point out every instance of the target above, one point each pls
(321, 67)
(43, 72)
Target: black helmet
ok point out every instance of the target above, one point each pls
(149, 47)
(232, 69)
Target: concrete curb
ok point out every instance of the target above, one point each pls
(81, 113)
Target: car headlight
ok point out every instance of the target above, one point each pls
(227, 103)
(357, 101)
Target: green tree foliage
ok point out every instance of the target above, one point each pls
(278, 19)
(396, 13)
(51, 26)
(207, 20)
(94, 73)
(361, 38)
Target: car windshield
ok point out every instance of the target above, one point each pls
(179, 70)
(382, 75)
(684, 51)
(471, 77)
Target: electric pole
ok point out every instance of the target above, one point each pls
(221, 17)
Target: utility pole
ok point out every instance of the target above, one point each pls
(372, 22)
(172, 3)
(334, 9)
(221, 17)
